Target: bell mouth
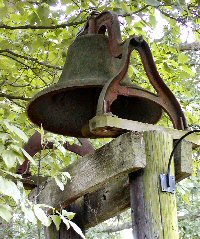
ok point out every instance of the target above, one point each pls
(65, 111)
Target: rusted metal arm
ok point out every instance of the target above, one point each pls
(83, 149)
(165, 98)
(34, 146)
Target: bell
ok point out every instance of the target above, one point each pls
(66, 107)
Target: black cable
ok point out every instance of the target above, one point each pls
(175, 146)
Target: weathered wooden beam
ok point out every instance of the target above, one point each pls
(183, 160)
(105, 123)
(106, 202)
(101, 205)
(121, 156)
(154, 212)
(114, 197)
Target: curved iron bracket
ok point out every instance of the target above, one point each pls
(165, 98)
(34, 146)
(98, 24)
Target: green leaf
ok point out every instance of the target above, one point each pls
(28, 156)
(59, 183)
(9, 157)
(186, 199)
(77, 229)
(5, 212)
(69, 215)
(188, 70)
(9, 188)
(152, 20)
(184, 75)
(2, 4)
(15, 175)
(17, 131)
(62, 150)
(124, 6)
(61, 179)
(34, 18)
(66, 221)
(167, 68)
(57, 220)
(40, 214)
(29, 214)
(66, 175)
(43, 12)
(182, 58)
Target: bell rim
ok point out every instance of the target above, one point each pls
(61, 87)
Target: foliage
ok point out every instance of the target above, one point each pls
(189, 210)
(34, 39)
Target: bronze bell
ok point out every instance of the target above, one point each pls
(94, 81)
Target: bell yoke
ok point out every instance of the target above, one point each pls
(94, 81)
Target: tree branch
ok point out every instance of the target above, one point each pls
(130, 14)
(28, 67)
(31, 59)
(13, 97)
(181, 20)
(190, 47)
(64, 25)
(20, 62)
(36, 27)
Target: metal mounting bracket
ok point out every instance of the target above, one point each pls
(167, 183)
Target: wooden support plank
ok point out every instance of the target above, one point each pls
(154, 212)
(106, 202)
(183, 160)
(98, 206)
(106, 123)
(114, 197)
(121, 156)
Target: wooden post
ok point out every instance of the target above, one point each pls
(64, 233)
(154, 213)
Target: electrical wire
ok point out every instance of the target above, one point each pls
(175, 146)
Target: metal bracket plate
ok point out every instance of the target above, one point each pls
(167, 183)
